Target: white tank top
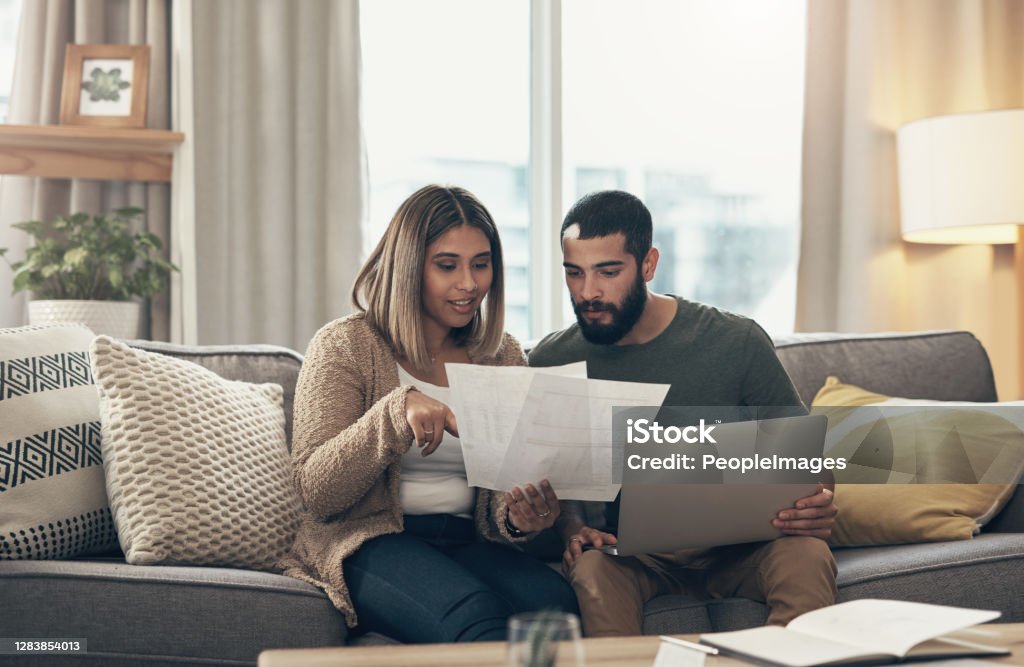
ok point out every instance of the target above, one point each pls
(435, 484)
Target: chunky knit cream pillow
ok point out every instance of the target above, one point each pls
(197, 466)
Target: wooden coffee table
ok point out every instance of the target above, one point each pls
(602, 652)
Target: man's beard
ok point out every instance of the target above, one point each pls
(623, 318)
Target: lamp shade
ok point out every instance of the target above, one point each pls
(962, 177)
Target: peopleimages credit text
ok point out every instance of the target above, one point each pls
(646, 431)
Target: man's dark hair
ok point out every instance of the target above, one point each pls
(612, 212)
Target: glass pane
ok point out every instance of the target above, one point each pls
(446, 100)
(696, 107)
(10, 13)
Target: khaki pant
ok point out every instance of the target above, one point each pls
(792, 575)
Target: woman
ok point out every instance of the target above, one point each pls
(393, 529)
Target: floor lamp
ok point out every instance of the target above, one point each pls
(962, 182)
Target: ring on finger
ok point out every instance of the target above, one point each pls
(545, 514)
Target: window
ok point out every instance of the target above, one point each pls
(446, 100)
(694, 106)
(10, 13)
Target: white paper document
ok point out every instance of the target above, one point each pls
(521, 425)
(486, 401)
(674, 655)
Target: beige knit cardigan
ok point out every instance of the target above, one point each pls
(350, 434)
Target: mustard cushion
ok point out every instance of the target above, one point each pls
(910, 447)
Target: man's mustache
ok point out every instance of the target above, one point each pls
(594, 306)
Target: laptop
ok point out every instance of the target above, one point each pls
(669, 517)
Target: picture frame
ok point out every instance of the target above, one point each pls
(105, 85)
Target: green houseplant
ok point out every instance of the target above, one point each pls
(88, 269)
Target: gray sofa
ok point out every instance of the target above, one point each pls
(152, 615)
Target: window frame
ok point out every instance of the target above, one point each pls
(545, 166)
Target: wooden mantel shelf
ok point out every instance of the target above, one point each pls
(98, 153)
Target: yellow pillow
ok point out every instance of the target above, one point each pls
(908, 448)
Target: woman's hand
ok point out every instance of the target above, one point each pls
(533, 510)
(429, 420)
(574, 545)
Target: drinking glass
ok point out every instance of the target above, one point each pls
(544, 639)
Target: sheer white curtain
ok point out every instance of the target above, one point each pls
(47, 26)
(873, 65)
(279, 167)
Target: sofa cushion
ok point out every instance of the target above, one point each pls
(940, 365)
(1011, 519)
(983, 573)
(51, 478)
(157, 615)
(681, 614)
(929, 442)
(665, 613)
(197, 467)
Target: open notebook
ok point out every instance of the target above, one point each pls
(863, 632)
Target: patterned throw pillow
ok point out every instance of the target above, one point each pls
(197, 467)
(929, 471)
(53, 501)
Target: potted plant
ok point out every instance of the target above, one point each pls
(89, 269)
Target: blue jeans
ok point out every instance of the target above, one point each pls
(436, 583)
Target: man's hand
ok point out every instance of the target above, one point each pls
(812, 516)
(574, 545)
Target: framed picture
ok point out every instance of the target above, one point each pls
(105, 85)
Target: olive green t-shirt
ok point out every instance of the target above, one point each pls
(709, 357)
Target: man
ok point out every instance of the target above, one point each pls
(710, 357)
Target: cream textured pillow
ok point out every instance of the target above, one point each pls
(197, 466)
(983, 442)
(53, 503)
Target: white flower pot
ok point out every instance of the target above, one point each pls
(119, 319)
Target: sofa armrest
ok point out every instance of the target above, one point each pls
(1011, 519)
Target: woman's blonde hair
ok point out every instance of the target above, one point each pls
(391, 281)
